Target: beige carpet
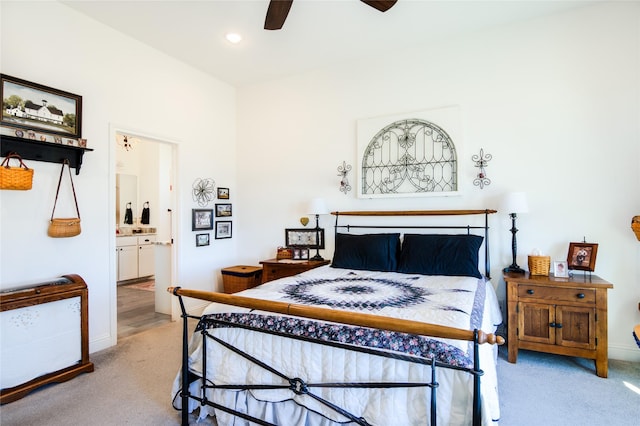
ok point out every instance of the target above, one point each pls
(131, 385)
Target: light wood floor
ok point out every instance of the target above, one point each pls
(136, 311)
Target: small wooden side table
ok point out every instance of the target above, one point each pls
(564, 316)
(272, 269)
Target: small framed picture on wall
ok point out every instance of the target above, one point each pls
(223, 229)
(223, 193)
(202, 240)
(202, 219)
(223, 210)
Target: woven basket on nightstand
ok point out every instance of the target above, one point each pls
(539, 265)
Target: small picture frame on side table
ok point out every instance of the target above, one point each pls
(582, 256)
(223, 229)
(304, 253)
(202, 240)
(296, 254)
(560, 269)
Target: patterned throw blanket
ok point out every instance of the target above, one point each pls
(359, 292)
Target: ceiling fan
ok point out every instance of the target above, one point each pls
(279, 9)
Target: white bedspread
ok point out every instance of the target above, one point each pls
(451, 301)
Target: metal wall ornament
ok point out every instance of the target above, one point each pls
(481, 161)
(410, 154)
(344, 181)
(203, 191)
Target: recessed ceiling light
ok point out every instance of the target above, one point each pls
(234, 37)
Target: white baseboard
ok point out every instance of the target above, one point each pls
(624, 353)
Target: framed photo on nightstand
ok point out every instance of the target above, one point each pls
(560, 269)
(582, 256)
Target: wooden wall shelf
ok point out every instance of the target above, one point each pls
(43, 151)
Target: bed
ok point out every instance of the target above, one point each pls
(393, 332)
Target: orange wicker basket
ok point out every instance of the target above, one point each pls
(17, 178)
(635, 225)
(539, 265)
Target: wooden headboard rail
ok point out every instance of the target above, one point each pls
(400, 213)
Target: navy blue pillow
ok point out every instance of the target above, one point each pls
(373, 252)
(440, 254)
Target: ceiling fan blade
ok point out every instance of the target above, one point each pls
(277, 14)
(381, 5)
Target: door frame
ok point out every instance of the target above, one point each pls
(114, 129)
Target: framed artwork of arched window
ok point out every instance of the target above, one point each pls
(409, 155)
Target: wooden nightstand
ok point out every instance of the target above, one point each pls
(564, 316)
(273, 269)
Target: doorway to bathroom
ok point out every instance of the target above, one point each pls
(144, 258)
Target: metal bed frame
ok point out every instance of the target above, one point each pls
(300, 386)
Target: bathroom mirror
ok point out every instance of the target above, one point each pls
(126, 198)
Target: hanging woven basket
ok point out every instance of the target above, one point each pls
(635, 225)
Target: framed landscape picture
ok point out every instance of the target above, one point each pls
(40, 108)
(223, 210)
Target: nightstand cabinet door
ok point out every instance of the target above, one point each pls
(576, 327)
(534, 323)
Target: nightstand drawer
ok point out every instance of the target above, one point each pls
(580, 295)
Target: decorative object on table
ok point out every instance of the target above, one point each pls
(318, 207)
(635, 226)
(201, 219)
(481, 161)
(202, 240)
(146, 213)
(514, 203)
(223, 229)
(15, 178)
(34, 107)
(223, 210)
(560, 269)
(128, 214)
(538, 264)
(64, 227)
(582, 256)
(304, 237)
(203, 191)
(223, 193)
(304, 220)
(284, 253)
(344, 181)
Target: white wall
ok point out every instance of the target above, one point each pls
(554, 100)
(125, 84)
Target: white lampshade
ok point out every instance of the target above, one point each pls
(318, 206)
(514, 202)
